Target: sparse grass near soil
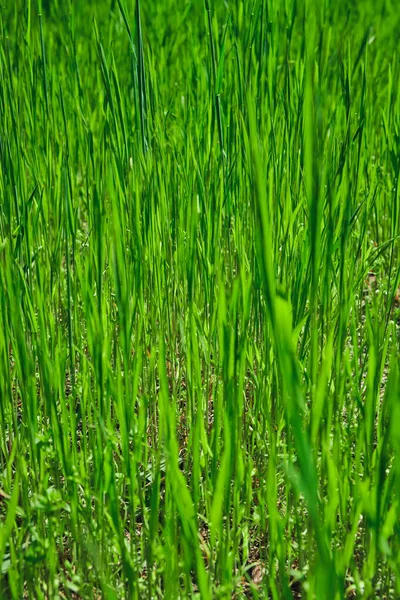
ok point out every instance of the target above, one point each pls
(199, 299)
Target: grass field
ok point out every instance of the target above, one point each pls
(199, 299)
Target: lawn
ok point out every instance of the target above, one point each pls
(199, 299)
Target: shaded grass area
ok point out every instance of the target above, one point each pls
(199, 299)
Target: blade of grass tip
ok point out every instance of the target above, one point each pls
(28, 22)
(217, 76)
(141, 79)
(134, 69)
(106, 78)
(125, 18)
(120, 108)
(212, 46)
(311, 175)
(45, 83)
(263, 233)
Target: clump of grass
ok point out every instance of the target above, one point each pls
(199, 283)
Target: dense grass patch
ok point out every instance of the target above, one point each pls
(199, 299)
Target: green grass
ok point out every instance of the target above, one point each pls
(199, 305)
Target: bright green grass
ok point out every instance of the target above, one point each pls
(199, 374)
